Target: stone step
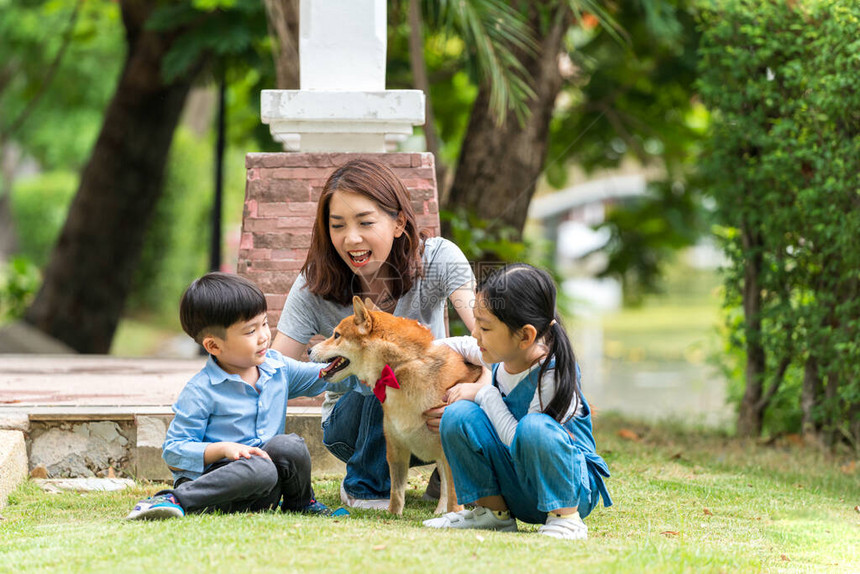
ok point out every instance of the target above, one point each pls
(89, 441)
(82, 415)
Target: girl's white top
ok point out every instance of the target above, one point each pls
(490, 399)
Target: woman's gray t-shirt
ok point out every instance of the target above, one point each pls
(446, 269)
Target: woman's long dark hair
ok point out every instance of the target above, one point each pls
(326, 273)
(520, 295)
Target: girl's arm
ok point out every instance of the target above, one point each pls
(489, 398)
(466, 347)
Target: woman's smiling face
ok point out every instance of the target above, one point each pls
(361, 232)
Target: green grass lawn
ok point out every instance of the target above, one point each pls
(685, 501)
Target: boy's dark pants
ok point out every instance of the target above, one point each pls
(252, 484)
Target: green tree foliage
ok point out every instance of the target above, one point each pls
(58, 64)
(40, 204)
(628, 97)
(58, 69)
(782, 164)
(633, 99)
(647, 232)
(19, 279)
(626, 92)
(231, 37)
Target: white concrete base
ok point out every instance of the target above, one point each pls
(13, 462)
(341, 121)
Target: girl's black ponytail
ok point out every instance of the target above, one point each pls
(567, 390)
(520, 295)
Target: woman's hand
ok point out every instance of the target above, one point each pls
(434, 417)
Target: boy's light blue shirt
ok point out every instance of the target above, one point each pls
(216, 406)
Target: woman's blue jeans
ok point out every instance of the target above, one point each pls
(353, 433)
(541, 471)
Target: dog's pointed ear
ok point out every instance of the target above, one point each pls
(362, 317)
(371, 306)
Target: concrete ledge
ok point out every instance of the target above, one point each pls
(89, 441)
(18, 421)
(148, 464)
(307, 426)
(13, 462)
(95, 413)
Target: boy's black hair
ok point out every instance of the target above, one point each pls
(217, 300)
(520, 295)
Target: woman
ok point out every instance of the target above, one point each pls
(365, 242)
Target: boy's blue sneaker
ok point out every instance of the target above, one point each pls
(157, 507)
(318, 508)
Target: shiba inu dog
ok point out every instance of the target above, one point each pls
(409, 374)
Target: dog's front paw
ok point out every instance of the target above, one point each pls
(395, 507)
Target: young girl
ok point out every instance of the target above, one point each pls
(521, 447)
(366, 242)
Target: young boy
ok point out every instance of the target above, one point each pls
(226, 445)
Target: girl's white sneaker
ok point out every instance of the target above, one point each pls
(480, 517)
(572, 528)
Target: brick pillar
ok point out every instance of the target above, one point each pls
(281, 194)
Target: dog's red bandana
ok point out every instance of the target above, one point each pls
(386, 379)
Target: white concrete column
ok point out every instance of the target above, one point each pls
(342, 105)
(342, 45)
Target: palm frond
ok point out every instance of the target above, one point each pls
(494, 32)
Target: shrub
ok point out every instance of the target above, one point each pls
(19, 281)
(782, 80)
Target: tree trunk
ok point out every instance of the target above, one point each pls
(750, 411)
(421, 82)
(92, 265)
(810, 396)
(283, 20)
(8, 234)
(499, 166)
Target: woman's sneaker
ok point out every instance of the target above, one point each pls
(156, 507)
(361, 503)
(570, 528)
(479, 517)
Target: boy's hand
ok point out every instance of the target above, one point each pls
(232, 451)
